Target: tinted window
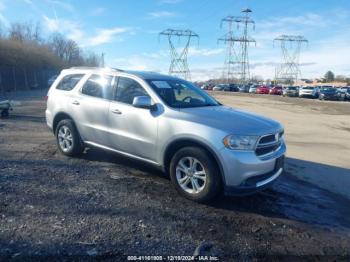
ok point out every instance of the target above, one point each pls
(98, 86)
(68, 82)
(128, 89)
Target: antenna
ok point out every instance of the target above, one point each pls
(289, 70)
(179, 64)
(237, 58)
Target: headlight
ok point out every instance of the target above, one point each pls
(238, 142)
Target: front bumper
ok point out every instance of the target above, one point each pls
(291, 94)
(307, 95)
(246, 173)
(330, 97)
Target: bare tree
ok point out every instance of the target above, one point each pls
(2, 32)
(58, 45)
(72, 53)
(25, 32)
(92, 59)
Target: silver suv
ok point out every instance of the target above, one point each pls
(204, 146)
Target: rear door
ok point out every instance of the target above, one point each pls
(91, 108)
(132, 130)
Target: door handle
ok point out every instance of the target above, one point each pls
(76, 103)
(116, 111)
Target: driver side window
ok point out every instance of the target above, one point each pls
(127, 90)
(185, 94)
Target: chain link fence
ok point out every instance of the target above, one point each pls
(17, 79)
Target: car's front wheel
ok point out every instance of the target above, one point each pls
(195, 174)
(68, 138)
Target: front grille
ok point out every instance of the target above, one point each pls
(267, 139)
(260, 151)
(268, 144)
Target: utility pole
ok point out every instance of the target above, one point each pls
(102, 62)
(237, 59)
(289, 70)
(178, 55)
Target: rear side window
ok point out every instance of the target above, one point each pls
(128, 89)
(68, 82)
(98, 86)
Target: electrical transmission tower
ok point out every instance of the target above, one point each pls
(178, 64)
(237, 58)
(289, 70)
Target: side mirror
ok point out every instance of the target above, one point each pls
(142, 102)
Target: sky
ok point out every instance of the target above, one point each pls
(127, 31)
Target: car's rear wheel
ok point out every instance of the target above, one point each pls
(68, 138)
(5, 113)
(195, 174)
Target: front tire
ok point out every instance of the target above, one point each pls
(68, 138)
(195, 174)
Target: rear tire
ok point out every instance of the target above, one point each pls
(68, 138)
(199, 181)
(5, 113)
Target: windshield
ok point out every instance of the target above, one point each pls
(308, 88)
(181, 94)
(292, 88)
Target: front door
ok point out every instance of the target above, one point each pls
(132, 130)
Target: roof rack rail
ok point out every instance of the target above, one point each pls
(85, 67)
(119, 70)
(96, 68)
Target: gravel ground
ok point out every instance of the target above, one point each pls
(104, 206)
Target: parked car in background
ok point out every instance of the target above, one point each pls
(207, 87)
(210, 87)
(309, 91)
(329, 93)
(243, 88)
(204, 146)
(252, 89)
(346, 94)
(231, 88)
(219, 87)
(291, 91)
(5, 107)
(263, 90)
(51, 80)
(277, 90)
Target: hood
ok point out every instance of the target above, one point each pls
(231, 120)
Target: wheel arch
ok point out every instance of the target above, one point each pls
(58, 117)
(179, 143)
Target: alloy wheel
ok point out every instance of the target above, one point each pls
(191, 175)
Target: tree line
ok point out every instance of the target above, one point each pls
(24, 45)
(331, 77)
